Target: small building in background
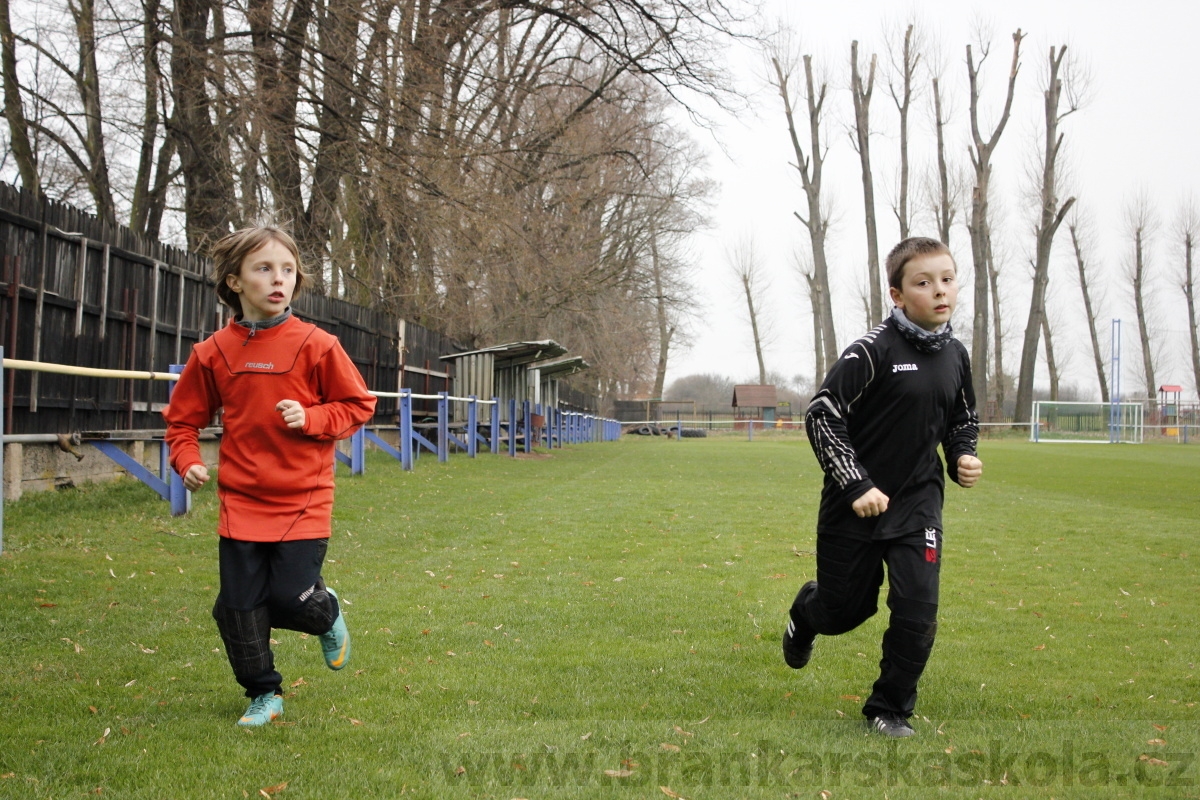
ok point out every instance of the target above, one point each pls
(755, 401)
(504, 371)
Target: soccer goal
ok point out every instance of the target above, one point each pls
(1063, 421)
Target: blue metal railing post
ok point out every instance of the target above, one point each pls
(472, 423)
(443, 423)
(406, 430)
(526, 420)
(512, 427)
(177, 494)
(495, 443)
(358, 451)
(2, 454)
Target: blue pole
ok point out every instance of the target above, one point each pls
(177, 494)
(525, 421)
(406, 431)
(358, 451)
(512, 427)
(472, 424)
(2, 454)
(443, 423)
(495, 443)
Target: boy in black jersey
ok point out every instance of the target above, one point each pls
(875, 426)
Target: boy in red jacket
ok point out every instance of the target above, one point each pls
(288, 391)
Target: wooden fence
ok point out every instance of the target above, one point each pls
(76, 291)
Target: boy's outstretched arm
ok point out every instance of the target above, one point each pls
(826, 423)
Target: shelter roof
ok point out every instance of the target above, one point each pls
(516, 353)
(561, 369)
(750, 395)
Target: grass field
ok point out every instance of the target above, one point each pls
(604, 621)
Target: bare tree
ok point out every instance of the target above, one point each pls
(1080, 229)
(1051, 215)
(1051, 363)
(1140, 225)
(1187, 228)
(862, 143)
(810, 168)
(981, 159)
(747, 268)
(802, 263)
(14, 107)
(905, 58)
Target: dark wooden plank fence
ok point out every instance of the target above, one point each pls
(76, 291)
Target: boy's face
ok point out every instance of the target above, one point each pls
(266, 281)
(928, 290)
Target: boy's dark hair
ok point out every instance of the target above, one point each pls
(229, 252)
(906, 251)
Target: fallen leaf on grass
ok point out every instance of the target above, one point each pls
(47, 605)
(826, 794)
(1040, 647)
(1156, 741)
(354, 721)
(618, 773)
(104, 736)
(674, 748)
(667, 791)
(586, 736)
(460, 771)
(93, 709)
(8, 775)
(682, 732)
(1160, 727)
(273, 790)
(299, 682)
(1158, 762)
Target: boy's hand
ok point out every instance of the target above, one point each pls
(195, 477)
(871, 503)
(292, 411)
(969, 470)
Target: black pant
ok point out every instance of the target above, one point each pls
(267, 585)
(846, 594)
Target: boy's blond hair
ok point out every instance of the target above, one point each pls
(231, 250)
(906, 251)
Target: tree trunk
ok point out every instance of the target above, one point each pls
(1051, 364)
(1097, 356)
(1050, 218)
(814, 295)
(981, 155)
(945, 206)
(1189, 293)
(862, 143)
(1000, 382)
(151, 76)
(908, 68)
(14, 108)
(665, 330)
(1139, 301)
(208, 185)
(88, 82)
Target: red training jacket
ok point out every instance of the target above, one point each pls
(274, 483)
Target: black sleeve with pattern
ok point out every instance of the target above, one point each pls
(828, 415)
(962, 434)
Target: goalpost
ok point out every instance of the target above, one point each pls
(1063, 421)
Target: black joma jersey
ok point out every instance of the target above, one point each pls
(877, 421)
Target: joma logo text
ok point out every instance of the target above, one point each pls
(903, 368)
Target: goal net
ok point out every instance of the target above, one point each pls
(1063, 421)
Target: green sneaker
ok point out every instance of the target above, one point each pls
(336, 643)
(263, 709)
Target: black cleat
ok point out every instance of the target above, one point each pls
(890, 725)
(797, 649)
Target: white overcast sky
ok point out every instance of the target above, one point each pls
(1135, 134)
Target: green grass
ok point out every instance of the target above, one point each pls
(522, 627)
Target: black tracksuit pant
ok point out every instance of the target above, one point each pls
(850, 572)
(267, 585)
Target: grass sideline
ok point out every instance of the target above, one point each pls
(604, 621)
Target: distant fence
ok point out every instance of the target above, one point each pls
(73, 290)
